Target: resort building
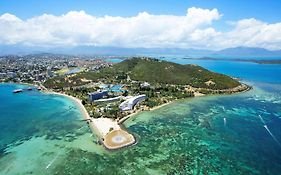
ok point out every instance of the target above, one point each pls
(49, 72)
(145, 85)
(11, 74)
(108, 100)
(131, 102)
(3, 75)
(97, 95)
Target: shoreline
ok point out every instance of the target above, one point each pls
(121, 121)
(110, 131)
(82, 109)
(196, 95)
(106, 129)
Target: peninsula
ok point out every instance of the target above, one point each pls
(114, 93)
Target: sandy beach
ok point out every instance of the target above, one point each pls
(105, 125)
(198, 94)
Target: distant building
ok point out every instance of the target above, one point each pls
(39, 77)
(131, 102)
(25, 75)
(2, 75)
(97, 95)
(145, 85)
(128, 78)
(11, 74)
(49, 71)
(107, 100)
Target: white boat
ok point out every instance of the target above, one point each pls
(17, 91)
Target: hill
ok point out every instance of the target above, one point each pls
(154, 71)
(236, 52)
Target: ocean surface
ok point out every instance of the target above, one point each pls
(222, 134)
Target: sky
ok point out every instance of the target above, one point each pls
(199, 24)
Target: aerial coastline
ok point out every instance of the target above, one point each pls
(108, 129)
(183, 124)
(187, 87)
(100, 125)
(117, 99)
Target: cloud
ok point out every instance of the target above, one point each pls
(193, 30)
(252, 33)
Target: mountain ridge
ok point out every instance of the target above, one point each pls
(235, 52)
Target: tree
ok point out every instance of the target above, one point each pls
(83, 102)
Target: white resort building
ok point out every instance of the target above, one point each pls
(131, 102)
(145, 85)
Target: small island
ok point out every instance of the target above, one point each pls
(112, 94)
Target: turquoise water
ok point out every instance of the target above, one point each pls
(73, 71)
(116, 88)
(228, 134)
(112, 88)
(35, 129)
(114, 60)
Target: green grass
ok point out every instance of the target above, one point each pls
(62, 71)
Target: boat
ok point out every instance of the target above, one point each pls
(17, 91)
(30, 88)
(39, 88)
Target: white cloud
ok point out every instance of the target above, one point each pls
(193, 30)
(252, 33)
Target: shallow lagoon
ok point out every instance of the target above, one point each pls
(212, 135)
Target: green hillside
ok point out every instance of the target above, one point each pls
(163, 72)
(155, 71)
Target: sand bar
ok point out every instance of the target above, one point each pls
(105, 125)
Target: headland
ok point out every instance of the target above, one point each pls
(109, 96)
